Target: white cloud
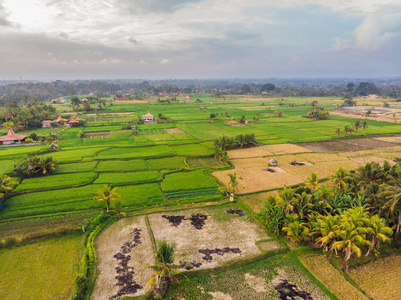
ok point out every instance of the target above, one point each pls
(165, 62)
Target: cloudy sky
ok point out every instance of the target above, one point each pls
(153, 39)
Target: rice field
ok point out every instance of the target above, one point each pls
(379, 279)
(43, 270)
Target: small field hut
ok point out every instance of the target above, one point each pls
(273, 162)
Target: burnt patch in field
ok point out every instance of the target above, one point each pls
(397, 159)
(271, 170)
(238, 212)
(189, 265)
(289, 291)
(208, 252)
(198, 220)
(174, 220)
(297, 163)
(125, 273)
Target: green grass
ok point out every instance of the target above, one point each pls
(45, 224)
(55, 181)
(204, 162)
(241, 282)
(169, 163)
(76, 168)
(18, 151)
(43, 270)
(69, 156)
(122, 165)
(127, 178)
(184, 181)
(49, 202)
(192, 150)
(6, 166)
(142, 194)
(120, 153)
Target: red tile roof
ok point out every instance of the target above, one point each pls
(12, 136)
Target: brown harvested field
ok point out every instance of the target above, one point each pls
(363, 160)
(174, 130)
(255, 201)
(257, 162)
(389, 139)
(377, 113)
(235, 123)
(220, 230)
(348, 145)
(286, 149)
(330, 277)
(110, 243)
(379, 279)
(368, 143)
(254, 180)
(322, 157)
(250, 152)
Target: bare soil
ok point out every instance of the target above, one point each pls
(348, 145)
(377, 113)
(123, 250)
(235, 123)
(205, 237)
(173, 130)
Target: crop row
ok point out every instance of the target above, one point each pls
(192, 193)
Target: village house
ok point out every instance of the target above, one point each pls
(11, 138)
(148, 117)
(71, 122)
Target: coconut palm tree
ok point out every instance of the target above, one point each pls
(8, 125)
(118, 208)
(324, 231)
(338, 131)
(378, 232)
(313, 181)
(341, 178)
(106, 194)
(357, 125)
(364, 126)
(297, 232)
(371, 172)
(165, 270)
(392, 205)
(6, 184)
(285, 198)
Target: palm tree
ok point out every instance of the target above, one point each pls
(325, 230)
(378, 232)
(341, 178)
(106, 194)
(371, 172)
(338, 131)
(47, 165)
(392, 194)
(364, 126)
(313, 181)
(357, 125)
(118, 208)
(232, 186)
(303, 204)
(346, 129)
(285, 199)
(351, 235)
(297, 232)
(6, 184)
(8, 125)
(165, 270)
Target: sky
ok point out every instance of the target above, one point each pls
(179, 39)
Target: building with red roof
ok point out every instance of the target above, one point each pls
(11, 137)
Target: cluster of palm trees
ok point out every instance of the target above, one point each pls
(6, 185)
(240, 141)
(318, 113)
(348, 129)
(360, 212)
(35, 165)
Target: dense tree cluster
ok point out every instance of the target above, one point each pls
(240, 141)
(34, 165)
(29, 115)
(359, 213)
(318, 113)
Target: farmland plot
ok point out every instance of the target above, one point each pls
(43, 270)
(183, 181)
(112, 249)
(126, 178)
(379, 279)
(277, 277)
(127, 153)
(205, 236)
(122, 165)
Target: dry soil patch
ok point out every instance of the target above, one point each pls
(110, 243)
(174, 130)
